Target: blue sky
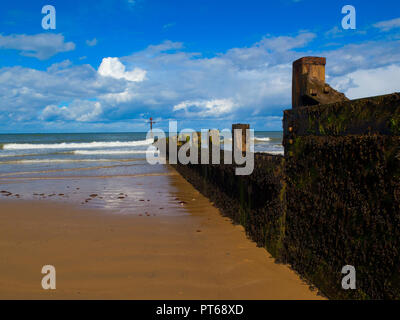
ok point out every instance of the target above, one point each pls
(111, 64)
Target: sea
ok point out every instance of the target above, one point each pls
(101, 170)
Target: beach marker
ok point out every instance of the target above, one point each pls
(151, 123)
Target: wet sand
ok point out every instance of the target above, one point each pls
(99, 254)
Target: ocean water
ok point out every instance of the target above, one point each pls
(102, 170)
(268, 142)
(18, 149)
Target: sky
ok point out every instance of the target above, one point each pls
(109, 65)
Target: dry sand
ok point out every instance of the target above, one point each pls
(103, 255)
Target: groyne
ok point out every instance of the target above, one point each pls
(332, 200)
(342, 175)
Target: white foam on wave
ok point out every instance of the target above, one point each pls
(255, 139)
(280, 152)
(82, 145)
(31, 154)
(262, 139)
(109, 152)
(7, 155)
(64, 161)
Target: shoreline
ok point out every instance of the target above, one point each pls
(99, 254)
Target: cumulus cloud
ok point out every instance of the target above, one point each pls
(112, 67)
(251, 84)
(216, 107)
(270, 51)
(41, 46)
(59, 66)
(122, 97)
(257, 78)
(28, 91)
(368, 55)
(371, 82)
(80, 111)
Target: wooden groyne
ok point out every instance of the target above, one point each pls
(333, 199)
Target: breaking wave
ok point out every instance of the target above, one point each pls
(109, 152)
(33, 161)
(262, 139)
(82, 145)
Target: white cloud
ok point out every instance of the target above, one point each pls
(257, 78)
(112, 67)
(216, 107)
(243, 84)
(335, 32)
(270, 51)
(29, 90)
(371, 82)
(164, 46)
(367, 55)
(91, 43)
(388, 24)
(80, 111)
(59, 66)
(42, 46)
(117, 98)
(285, 43)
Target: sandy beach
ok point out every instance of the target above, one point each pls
(99, 254)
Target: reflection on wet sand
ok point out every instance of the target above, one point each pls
(170, 243)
